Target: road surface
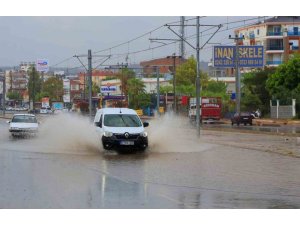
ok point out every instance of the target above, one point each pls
(65, 167)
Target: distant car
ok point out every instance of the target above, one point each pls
(244, 118)
(45, 110)
(23, 125)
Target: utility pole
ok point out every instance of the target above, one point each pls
(182, 47)
(174, 83)
(89, 73)
(90, 81)
(237, 75)
(158, 95)
(197, 48)
(33, 89)
(3, 93)
(198, 78)
(122, 66)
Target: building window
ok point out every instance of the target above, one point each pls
(75, 87)
(257, 31)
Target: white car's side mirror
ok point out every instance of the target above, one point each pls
(8, 121)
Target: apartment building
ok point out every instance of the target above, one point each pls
(279, 35)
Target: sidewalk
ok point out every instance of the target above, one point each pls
(261, 122)
(269, 122)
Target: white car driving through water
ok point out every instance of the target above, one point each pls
(23, 125)
(121, 128)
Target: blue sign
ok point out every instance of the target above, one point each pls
(108, 89)
(113, 97)
(58, 105)
(249, 56)
(42, 65)
(232, 97)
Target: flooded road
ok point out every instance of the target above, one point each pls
(219, 170)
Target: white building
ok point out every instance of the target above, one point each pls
(150, 83)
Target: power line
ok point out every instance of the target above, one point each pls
(67, 59)
(148, 49)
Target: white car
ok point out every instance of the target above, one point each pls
(23, 125)
(45, 110)
(121, 128)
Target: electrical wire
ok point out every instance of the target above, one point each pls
(152, 48)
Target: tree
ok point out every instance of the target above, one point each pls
(216, 86)
(53, 87)
(137, 94)
(14, 96)
(125, 75)
(254, 92)
(186, 75)
(287, 76)
(165, 89)
(34, 84)
(284, 84)
(95, 89)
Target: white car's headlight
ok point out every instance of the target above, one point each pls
(144, 134)
(107, 134)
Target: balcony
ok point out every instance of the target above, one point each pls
(274, 47)
(272, 33)
(273, 63)
(293, 33)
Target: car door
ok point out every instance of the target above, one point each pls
(99, 125)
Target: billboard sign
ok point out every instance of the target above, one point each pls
(249, 56)
(58, 105)
(108, 89)
(45, 102)
(66, 87)
(42, 65)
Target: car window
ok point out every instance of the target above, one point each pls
(123, 120)
(245, 114)
(24, 119)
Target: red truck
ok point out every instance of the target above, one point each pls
(210, 108)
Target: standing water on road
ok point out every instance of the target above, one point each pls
(63, 133)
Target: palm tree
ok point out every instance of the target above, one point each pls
(137, 94)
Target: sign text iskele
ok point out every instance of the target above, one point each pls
(249, 56)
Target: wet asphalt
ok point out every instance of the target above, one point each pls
(219, 170)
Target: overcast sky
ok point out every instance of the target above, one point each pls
(58, 38)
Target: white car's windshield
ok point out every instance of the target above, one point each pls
(24, 119)
(121, 120)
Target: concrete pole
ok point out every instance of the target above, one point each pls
(90, 81)
(174, 83)
(198, 78)
(237, 78)
(277, 109)
(158, 97)
(4, 93)
(294, 107)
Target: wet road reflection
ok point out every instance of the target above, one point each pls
(219, 178)
(189, 174)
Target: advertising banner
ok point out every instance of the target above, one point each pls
(108, 89)
(249, 56)
(42, 65)
(45, 102)
(66, 87)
